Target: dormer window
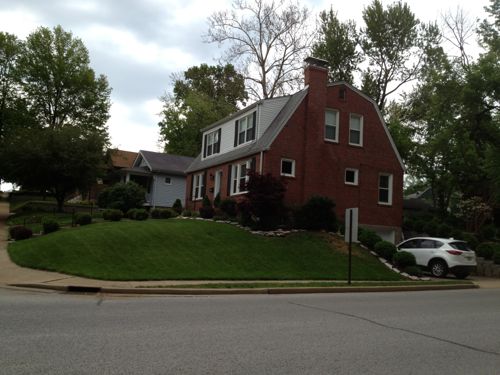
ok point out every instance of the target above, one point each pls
(244, 129)
(212, 143)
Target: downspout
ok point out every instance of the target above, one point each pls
(153, 192)
(259, 123)
(261, 159)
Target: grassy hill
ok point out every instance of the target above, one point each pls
(191, 250)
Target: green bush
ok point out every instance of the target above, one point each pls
(431, 228)
(413, 271)
(418, 225)
(177, 207)
(228, 206)
(486, 250)
(403, 259)
(162, 213)
(487, 232)
(83, 219)
(186, 213)
(50, 225)
(122, 196)
(206, 202)
(368, 238)
(137, 214)
(207, 212)
(471, 240)
(112, 214)
(496, 257)
(444, 230)
(317, 213)
(20, 232)
(217, 200)
(385, 249)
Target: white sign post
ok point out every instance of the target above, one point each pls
(351, 235)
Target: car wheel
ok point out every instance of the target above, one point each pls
(438, 268)
(461, 274)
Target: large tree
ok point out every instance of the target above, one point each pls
(337, 44)
(267, 41)
(59, 131)
(203, 95)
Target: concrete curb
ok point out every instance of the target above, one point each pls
(236, 291)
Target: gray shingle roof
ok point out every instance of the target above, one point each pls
(166, 163)
(262, 143)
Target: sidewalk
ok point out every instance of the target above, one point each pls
(12, 274)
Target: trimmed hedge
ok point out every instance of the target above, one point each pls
(486, 250)
(403, 259)
(229, 207)
(177, 207)
(20, 232)
(207, 212)
(83, 219)
(112, 214)
(368, 238)
(139, 214)
(413, 271)
(49, 226)
(162, 213)
(385, 249)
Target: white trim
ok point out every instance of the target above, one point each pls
(197, 184)
(360, 144)
(293, 168)
(337, 125)
(356, 176)
(389, 189)
(217, 182)
(247, 117)
(235, 177)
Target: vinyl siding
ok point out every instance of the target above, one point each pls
(268, 110)
(165, 195)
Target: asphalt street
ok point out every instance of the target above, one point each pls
(441, 332)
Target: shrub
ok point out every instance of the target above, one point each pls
(207, 212)
(49, 226)
(112, 214)
(413, 271)
(419, 225)
(487, 232)
(444, 230)
(317, 213)
(471, 240)
(456, 233)
(137, 214)
(186, 213)
(20, 232)
(206, 202)
(431, 228)
(122, 196)
(83, 219)
(368, 238)
(217, 200)
(403, 259)
(486, 250)
(385, 249)
(244, 214)
(228, 206)
(496, 257)
(162, 213)
(177, 207)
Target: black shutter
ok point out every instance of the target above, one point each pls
(205, 146)
(229, 170)
(253, 164)
(236, 133)
(204, 187)
(190, 195)
(254, 123)
(218, 141)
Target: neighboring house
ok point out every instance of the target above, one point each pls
(162, 175)
(328, 139)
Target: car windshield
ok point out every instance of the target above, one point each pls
(460, 246)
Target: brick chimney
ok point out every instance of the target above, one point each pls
(315, 72)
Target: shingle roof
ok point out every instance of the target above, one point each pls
(262, 143)
(166, 163)
(122, 159)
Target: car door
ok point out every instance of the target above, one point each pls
(427, 251)
(411, 246)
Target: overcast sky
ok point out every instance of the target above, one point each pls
(138, 44)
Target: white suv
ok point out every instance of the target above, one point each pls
(441, 255)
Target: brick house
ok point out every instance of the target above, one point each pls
(327, 139)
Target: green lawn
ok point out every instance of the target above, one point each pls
(190, 250)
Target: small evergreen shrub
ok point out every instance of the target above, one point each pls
(83, 219)
(244, 214)
(112, 214)
(487, 232)
(431, 228)
(217, 200)
(318, 213)
(418, 225)
(20, 232)
(206, 202)
(471, 240)
(229, 207)
(413, 271)
(177, 207)
(49, 226)
(162, 213)
(186, 213)
(486, 250)
(368, 238)
(385, 249)
(403, 259)
(444, 230)
(207, 212)
(137, 214)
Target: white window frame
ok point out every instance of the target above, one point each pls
(243, 128)
(360, 144)
(356, 176)
(336, 125)
(169, 180)
(293, 167)
(236, 177)
(389, 189)
(217, 182)
(212, 139)
(197, 186)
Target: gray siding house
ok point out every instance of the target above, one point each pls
(162, 175)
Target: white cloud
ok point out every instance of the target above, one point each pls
(19, 22)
